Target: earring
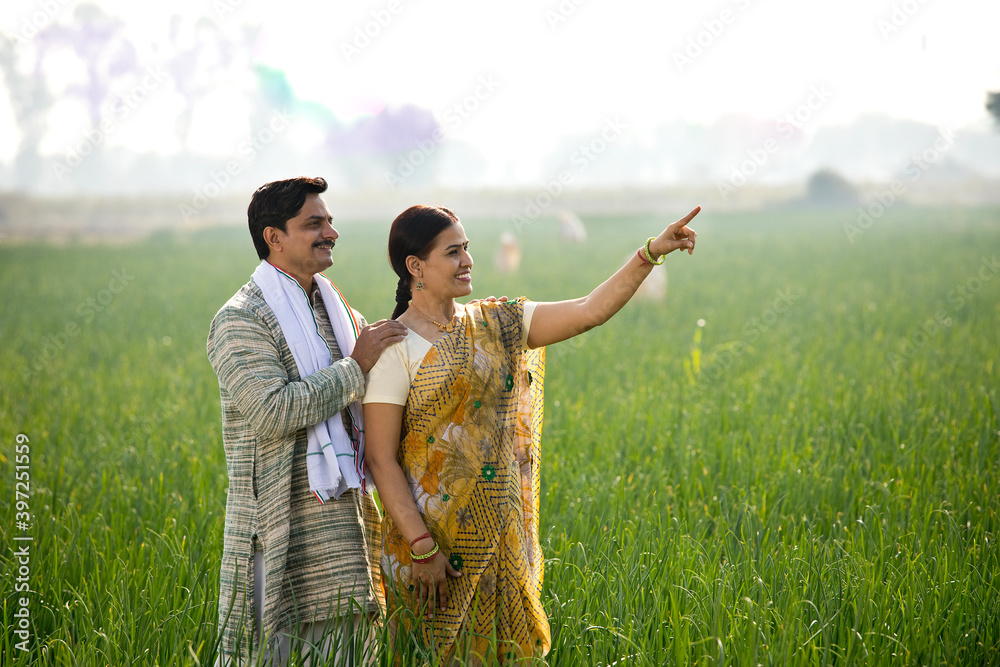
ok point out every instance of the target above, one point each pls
(420, 286)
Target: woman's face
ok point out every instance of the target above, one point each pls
(447, 271)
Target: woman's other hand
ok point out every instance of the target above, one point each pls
(430, 580)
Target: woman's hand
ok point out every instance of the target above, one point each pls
(558, 320)
(678, 236)
(430, 580)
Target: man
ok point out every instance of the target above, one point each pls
(300, 563)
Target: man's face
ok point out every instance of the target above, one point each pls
(306, 245)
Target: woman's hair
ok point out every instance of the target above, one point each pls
(413, 233)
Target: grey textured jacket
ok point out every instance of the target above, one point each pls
(266, 408)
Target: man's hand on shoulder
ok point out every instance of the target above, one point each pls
(374, 339)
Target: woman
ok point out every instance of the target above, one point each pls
(453, 421)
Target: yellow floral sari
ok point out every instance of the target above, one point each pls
(470, 452)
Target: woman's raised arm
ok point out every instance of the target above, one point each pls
(556, 321)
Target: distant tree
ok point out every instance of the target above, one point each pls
(993, 105)
(203, 58)
(30, 100)
(105, 53)
(828, 188)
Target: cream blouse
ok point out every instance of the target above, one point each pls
(390, 378)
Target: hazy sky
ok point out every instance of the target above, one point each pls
(526, 72)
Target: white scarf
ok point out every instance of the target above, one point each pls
(335, 459)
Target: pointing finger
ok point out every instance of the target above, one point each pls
(690, 216)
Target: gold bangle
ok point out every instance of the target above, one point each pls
(426, 557)
(649, 255)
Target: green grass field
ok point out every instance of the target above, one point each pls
(811, 478)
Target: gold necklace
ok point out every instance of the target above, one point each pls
(441, 327)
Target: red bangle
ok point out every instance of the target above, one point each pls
(643, 257)
(417, 539)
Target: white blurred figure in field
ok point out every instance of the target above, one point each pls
(570, 227)
(654, 288)
(508, 255)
